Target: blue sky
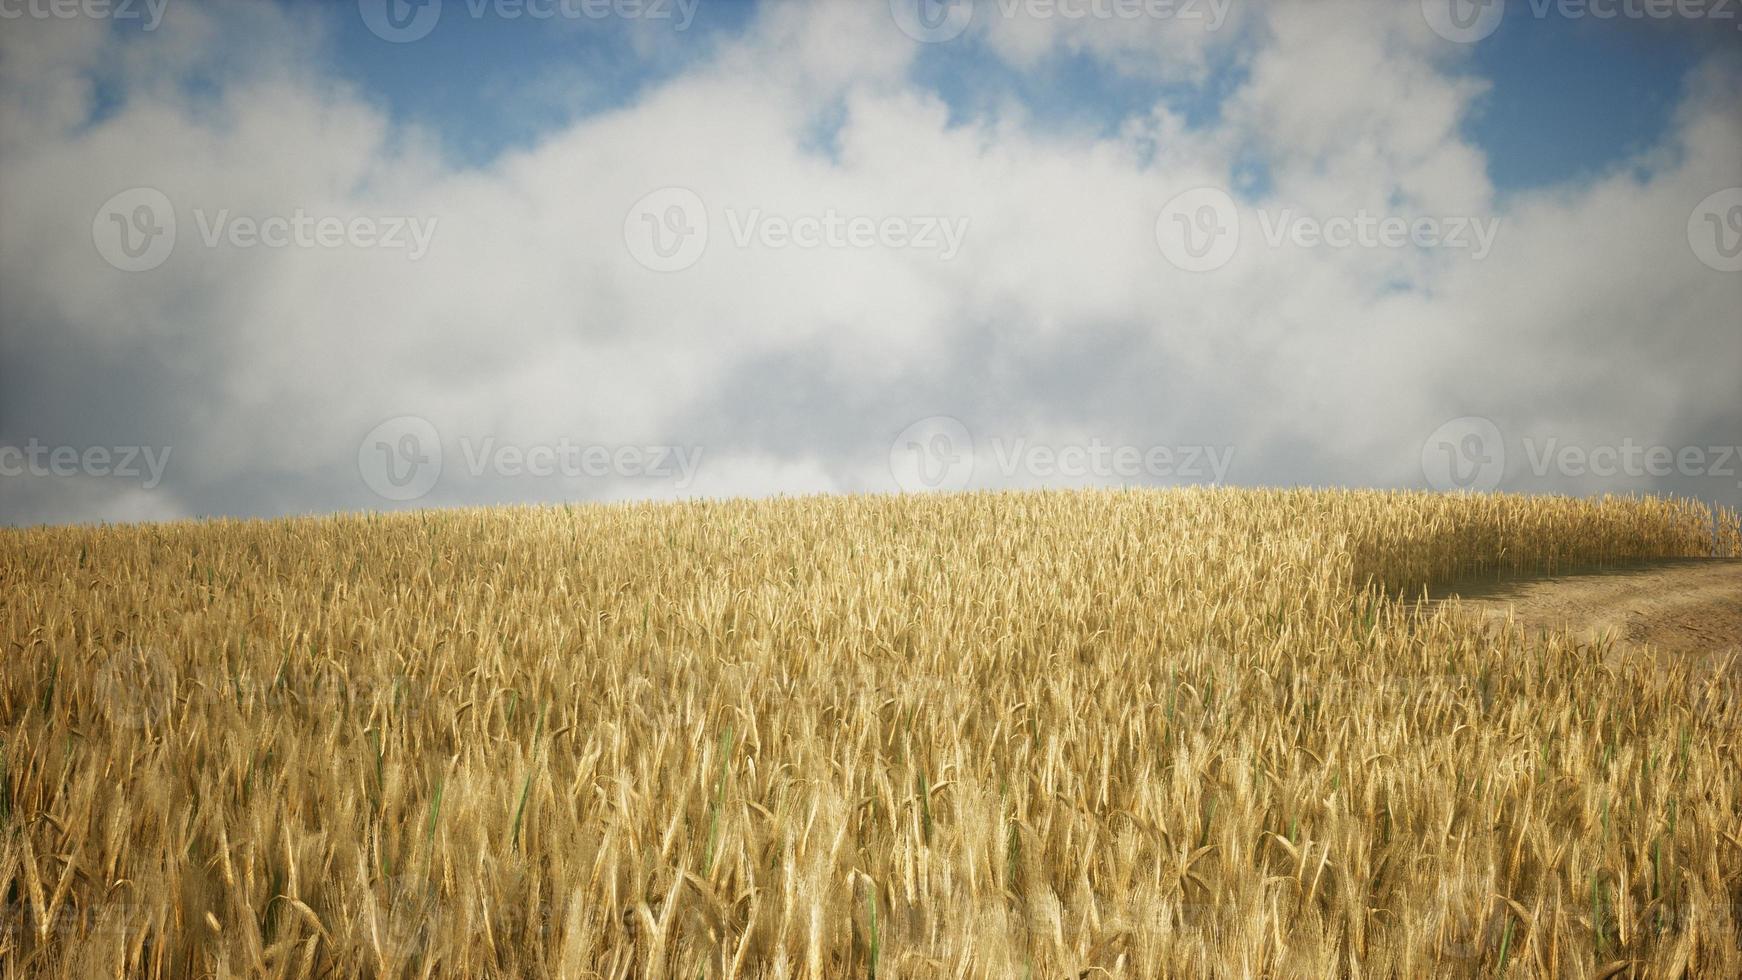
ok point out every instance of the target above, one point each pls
(470, 79)
(1568, 98)
(1572, 98)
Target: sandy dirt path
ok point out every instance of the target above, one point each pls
(1686, 615)
(1674, 607)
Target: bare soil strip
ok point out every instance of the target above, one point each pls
(1688, 606)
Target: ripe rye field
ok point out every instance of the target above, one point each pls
(1070, 734)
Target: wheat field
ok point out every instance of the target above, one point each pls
(1206, 732)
